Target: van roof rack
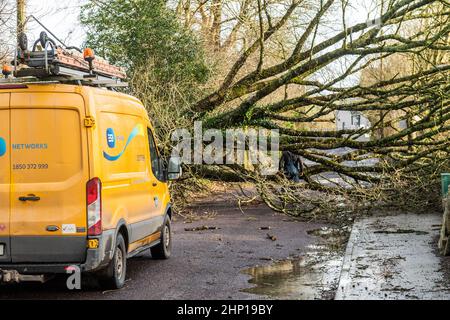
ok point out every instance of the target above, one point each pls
(48, 62)
(91, 81)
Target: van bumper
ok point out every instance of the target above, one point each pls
(96, 259)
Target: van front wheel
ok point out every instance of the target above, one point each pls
(113, 277)
(164, 248)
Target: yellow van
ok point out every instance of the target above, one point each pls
(81, 182)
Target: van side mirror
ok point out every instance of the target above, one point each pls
(174, 169)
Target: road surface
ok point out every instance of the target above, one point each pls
(205, 264)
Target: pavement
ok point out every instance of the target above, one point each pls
(209, 264)
(394, 257)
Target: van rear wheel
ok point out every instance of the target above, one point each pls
(164, 249)
(113, 277)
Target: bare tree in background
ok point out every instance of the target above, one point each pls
(7, 29)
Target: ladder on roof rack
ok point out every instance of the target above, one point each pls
(59, 62)
(49, 62)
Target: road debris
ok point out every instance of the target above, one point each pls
(271, 237)
(402, 231)
(202, 228)
(266, 259)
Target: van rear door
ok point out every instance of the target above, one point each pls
(5, 176)
(49, 171)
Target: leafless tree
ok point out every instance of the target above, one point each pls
(7, 22)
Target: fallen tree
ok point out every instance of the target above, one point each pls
(318, 74)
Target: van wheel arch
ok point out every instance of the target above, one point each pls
(164, 247)
(123, 230)
(169, 212)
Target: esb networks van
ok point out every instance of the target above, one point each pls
(81, 183)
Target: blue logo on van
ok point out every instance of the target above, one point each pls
(111, 138)
(2, 147)
(138, 130)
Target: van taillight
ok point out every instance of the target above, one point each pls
(94, 206)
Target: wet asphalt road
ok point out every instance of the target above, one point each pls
(204, 264)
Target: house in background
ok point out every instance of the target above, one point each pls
(352, 120)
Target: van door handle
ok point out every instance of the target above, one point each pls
(30, 197)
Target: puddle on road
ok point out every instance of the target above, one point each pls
(313, 276)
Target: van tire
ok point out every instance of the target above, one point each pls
(163, 250)
(114, 275)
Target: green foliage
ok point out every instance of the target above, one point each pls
(131, 33)
(165, 62)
